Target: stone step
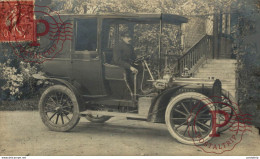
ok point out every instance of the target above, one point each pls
(229, 88)
(226, 77)
(231, 91)
(227, 61)
(232, 85)
(230, 71)
(211, 64)
(217, 70)
(229, 84)
(221, 63)
(223, 81)
(222, 69)
(216, 76)
(209, 73)
(207, 66)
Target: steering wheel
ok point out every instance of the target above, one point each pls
(141, 58)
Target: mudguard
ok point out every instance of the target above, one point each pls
(159, 104)
(157, 110)
(66, 83)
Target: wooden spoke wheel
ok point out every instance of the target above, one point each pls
(97, 118)
(59, 108)
(188, 118)
(229, 107)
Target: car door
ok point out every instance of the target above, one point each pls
(86, 62)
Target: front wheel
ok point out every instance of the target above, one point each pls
(188, 118)
(59, 108)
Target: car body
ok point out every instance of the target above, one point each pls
(85, 74)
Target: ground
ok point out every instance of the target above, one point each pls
(23, 133)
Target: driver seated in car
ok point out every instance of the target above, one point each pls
(124, 56)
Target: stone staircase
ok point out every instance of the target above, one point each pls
(222, 69)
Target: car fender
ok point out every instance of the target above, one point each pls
(159, 104)
(67, 84)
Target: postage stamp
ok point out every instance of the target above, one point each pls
(23, 24)
(16, 21)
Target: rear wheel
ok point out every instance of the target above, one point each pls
(97, 118)
(188, 118)
(59, 108)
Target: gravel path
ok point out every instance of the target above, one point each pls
(23, 133)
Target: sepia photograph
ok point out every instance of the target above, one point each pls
(129, 78)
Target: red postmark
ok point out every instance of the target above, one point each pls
(226, 115)
(35, 33)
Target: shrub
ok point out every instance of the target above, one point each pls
(18, 81)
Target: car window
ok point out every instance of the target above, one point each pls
(114, 33)
(86, 35)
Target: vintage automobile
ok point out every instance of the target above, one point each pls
(84, 82)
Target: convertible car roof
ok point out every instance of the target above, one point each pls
(138, 17)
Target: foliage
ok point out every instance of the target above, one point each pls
(17, 76)
(180, 7)
(248, 57)
(13, 80)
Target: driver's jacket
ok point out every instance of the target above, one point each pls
(123, 55)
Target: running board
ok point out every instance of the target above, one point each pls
(115, 114)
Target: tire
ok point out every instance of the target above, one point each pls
(190, 112)
(59, 108)
(97, 119)
(228, 99)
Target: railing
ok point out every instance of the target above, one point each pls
(196, 55)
